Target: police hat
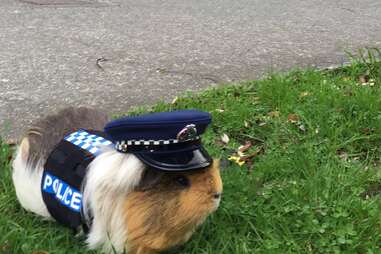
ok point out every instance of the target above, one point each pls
(169, 141)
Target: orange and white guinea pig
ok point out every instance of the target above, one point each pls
(134, 208)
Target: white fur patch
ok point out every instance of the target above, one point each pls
(110, 177)
(27, 182)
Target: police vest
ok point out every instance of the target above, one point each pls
(64, 172)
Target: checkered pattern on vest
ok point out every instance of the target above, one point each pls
(89, 142)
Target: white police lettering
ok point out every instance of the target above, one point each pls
(68, 193)
(55, 185)
(58, 193)
(64, 193)
(48, 181)
(76, 200)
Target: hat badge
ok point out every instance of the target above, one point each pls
(188, 133)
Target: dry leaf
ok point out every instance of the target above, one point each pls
(363, 79)
(245, 147)
(11, 142)
(174, 100)
(219, 143)
(225, 139)
(5, 248)
(304, 94)
(293, 118)
(309, 247)
(236, 159)
(343, 155)
(252, 155)
(241, 158)
(367, 131)
(274, 113)
(302, 128)
(99, 61)
(262, 124)
(240, 154)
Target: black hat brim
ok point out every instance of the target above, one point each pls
(177, 161)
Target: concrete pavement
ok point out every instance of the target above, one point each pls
(114, 54)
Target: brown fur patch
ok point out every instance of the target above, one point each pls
(167, 214)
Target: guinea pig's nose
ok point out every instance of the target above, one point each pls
(217, 195)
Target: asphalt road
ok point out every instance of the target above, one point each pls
(151, 50)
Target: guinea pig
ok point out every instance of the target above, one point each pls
(132, 207)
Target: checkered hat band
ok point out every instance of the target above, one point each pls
(89, 142)
(152, 142)
(125, 145)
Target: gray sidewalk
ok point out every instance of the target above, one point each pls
(150, 50)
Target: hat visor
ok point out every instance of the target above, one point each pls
(177, 161)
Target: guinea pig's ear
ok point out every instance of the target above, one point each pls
(24, 149)
(149, 179)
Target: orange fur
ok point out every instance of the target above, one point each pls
(166, 216)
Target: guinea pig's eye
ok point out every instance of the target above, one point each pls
(182, 180)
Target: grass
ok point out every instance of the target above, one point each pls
(314, 188)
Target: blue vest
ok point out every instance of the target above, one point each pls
(64, 172)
